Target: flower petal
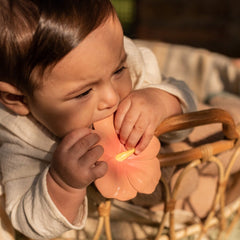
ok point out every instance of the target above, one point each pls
(109, 139)
(137, 173)
(144, 169)
(151, 150)
(144, 175)
(115, 183)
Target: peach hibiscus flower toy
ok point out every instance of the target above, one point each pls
(127, 173)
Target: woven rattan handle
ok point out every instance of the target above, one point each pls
(194, 119)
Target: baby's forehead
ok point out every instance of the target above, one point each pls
(44, 32)
(97, 49)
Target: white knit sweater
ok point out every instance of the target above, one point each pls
(27, 149)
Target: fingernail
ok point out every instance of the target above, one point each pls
(137, 151)
(128, 147)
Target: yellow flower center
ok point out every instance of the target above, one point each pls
(124, 155)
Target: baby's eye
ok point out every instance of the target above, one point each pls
(120, 70)
(84, 93)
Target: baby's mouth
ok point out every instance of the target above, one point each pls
(107, 116)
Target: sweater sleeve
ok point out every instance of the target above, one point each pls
(145, 72)
(28, 203)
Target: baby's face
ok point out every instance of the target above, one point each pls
(86, 85)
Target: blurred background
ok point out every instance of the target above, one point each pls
(210, 24)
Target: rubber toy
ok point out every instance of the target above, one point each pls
(127, 172)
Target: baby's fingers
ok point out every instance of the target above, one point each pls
(120, 114)
(84, 144)
(137, 132)
(89, 161)
(98, 170)
(145, 140)
(90, 158)
(71, 138)
(128, 129)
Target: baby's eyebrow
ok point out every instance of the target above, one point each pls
(123, 59)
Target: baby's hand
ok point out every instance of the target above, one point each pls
(75, 162)
(140, 113)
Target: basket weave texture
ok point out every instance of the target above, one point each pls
(165, 221)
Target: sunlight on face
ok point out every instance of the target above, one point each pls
(87, 84)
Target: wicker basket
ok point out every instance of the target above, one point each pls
(219, 220)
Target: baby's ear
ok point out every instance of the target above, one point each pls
(13, 99)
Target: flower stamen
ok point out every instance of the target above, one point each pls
(124, 155)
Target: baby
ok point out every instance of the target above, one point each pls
(66, 64)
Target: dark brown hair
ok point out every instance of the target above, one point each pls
(36, 34)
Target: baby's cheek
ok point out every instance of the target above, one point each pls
(126, 86)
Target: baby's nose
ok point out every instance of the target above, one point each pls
(109, 98)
